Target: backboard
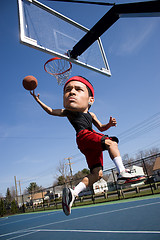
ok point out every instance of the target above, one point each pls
(49, 31)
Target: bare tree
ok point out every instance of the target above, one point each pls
(147, 153)
(127, 160)
(64, 172)
(149, 162)
(13, 192)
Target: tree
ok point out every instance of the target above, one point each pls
(8, 199)
(80, 175)
(61, 180)
(14, 208)
(65, 177)
(2, 208)
(127, 160)
(8, 195)
(149, 162)
(33, 187)
(63, 170)
(13, 192)
(85, 171)
(147, 153)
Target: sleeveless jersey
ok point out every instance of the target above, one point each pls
(79, 120)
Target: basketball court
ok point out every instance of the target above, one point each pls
(75, 44)
(134, 219)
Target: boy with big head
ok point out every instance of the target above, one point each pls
(78, 97)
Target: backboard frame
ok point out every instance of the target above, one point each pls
(125, 10)
(105, 70)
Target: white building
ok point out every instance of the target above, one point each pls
(137, 170)
(134, 169)
(100, 186)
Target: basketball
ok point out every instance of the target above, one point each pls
(30, 83)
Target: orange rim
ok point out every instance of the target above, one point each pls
(57, 58)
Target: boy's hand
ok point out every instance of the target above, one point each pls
(112, 122)
(36, 97)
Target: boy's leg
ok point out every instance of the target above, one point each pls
(69, 195)
(114, 153)
(95, 175)
(124, 175)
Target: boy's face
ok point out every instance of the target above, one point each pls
(76, 97)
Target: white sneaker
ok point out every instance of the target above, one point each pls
(127, 177)
(67, 200)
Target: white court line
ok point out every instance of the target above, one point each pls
(22, 235)
(26, 219)
(3, 218)
(19, 232)
(98, 231)
(82, 217)
(84, 231)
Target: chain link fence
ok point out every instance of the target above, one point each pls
(103, 191)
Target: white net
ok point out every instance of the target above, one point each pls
(59, 68)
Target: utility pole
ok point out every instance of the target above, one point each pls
(20, 187)
(21, 198)
(69, 163)
(16, 188)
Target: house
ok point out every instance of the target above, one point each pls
(58, 191)
(48, 195)
(100, 186)
(137, 170)
(156, 169)
(36, 198)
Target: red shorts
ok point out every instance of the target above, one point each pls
(90, 144)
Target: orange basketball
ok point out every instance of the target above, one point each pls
(30, 83)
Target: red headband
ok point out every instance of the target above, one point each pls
(83, 80)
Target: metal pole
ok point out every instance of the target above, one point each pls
(115, 184)
(147, 176)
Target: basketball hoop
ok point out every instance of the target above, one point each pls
(59, 68)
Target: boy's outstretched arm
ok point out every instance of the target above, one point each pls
(54, 112)
(103, 127)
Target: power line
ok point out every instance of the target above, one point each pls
(140, 133)
(33, 137)
(84, 2)
(155, 143)
(141, 128)
(140, 124)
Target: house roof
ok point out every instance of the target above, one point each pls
(156, 164)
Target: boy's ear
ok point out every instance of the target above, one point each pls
(91, 100)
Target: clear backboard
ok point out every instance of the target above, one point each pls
(47, 30)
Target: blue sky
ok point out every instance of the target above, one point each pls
(31, 142)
